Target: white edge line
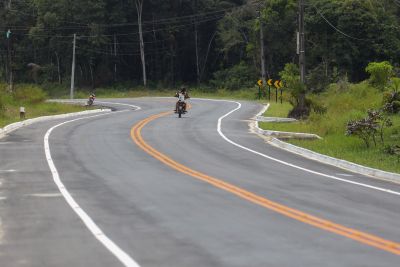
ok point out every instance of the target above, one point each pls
(121, 255)
(219, 126)
(82, 101)
(121, 104)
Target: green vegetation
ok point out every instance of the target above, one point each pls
(207, 42)
(140, 91)
(278, 110)
(344, 105)
(380, 72)
(32, 98)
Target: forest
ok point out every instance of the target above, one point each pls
(215, 43)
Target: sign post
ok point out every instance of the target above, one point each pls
(22, 113)
(269, 88)
(260, 84)
(276, 84)
(281, 86)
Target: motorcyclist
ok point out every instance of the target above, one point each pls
(92, 97)
(182, 95)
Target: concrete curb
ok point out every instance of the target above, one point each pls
(80, 102)
(343, 164)
(14, 126)
(280, 134)
(274, 119)
(287, 135)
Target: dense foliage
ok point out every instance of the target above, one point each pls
(194, 40)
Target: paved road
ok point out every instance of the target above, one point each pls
(187, 197)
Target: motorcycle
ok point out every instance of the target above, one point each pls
(91, 100)
(181, 109)
(181, 106)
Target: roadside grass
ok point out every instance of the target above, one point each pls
(278, 110)
(343, 106)
(121, 91)
(249, 94)
(32, 98)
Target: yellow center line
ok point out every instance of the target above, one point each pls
(330, 226)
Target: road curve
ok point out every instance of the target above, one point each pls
(133, 173)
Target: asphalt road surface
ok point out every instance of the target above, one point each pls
(141, 187)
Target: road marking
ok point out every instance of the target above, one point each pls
(219, 126)
(121, 104)
(5, 171)
(345, 174)
(121, 255)
(330, 226)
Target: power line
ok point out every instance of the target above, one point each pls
(109, 53)
(336, 29)
(123, 34)
(166, 21)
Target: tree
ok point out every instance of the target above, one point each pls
(298, 90)
(380, 72)
(139, 9)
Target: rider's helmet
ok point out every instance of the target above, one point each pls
(183, 89)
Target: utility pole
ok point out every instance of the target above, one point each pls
(197, 53)
(115, 58)
(139, 9)
(73, 69)
(301, 41)
(10, 71)
(262, 47)
(196, 45)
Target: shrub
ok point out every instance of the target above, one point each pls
(368, 127)
(29, 94)
(391, 102)
(363, 129)
(298, 90)
(2, 105)
(380, 73)
(382, 121)
(2, 98)
(343, 83)
(317, 79)
(316, 105)
(234, 78)
(393, 150)
(395, 84)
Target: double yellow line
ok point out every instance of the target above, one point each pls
(332, 227)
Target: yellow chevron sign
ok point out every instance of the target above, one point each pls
(278, 84)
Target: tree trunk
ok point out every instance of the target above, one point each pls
(155, 46)
(139, 9)
(115, 58)
(197, 54)
(91, 74)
